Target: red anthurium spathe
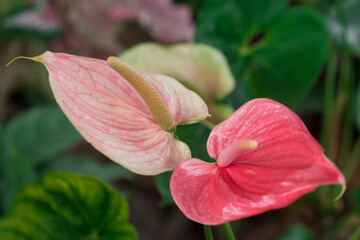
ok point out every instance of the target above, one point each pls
(120, 121)
(266, 159)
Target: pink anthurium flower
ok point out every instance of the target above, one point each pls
(127, 115)
(266, 159)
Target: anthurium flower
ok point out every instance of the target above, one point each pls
(199, 67)
(266, 159)
(131, 117)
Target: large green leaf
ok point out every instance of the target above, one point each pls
(195, 136)
(17, 171)
(344, 23)
(31, 138)
(40, 133)
(70, 207)
(273, 52)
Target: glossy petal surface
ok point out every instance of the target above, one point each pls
(287, 163)
(200, 67)
(112, 116)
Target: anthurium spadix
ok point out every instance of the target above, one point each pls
(266, 159)
(127, 115)
(199, 67)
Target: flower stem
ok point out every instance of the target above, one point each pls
(341, 101)
(352, 161)
(208, 232)
(343, 88)
(348, 125)
(356, 234)
(228, 231)
(330, 82)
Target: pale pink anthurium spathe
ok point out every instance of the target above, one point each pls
(265, 159)
(131, 118)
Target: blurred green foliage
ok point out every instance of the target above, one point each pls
(347, 35)
(33, 144)
(8, 6)
(297, 232)
(162, 182)
(356, 199)
(31, 138)
(274, 52)
(60, 206)
(357, 108)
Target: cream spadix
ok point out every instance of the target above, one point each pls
(147, 91)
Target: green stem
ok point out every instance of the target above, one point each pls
(341, 100)
(334, 129)
(208, 232)
(352, 161)
(347, 135)
(356, 234)
(344, 79)
(329, 98)
(228, 231)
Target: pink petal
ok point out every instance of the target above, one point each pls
(112, 116)
(287, 164)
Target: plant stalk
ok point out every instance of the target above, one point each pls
(330, 82)
(356, 234)
(341, 101)
(208, 232)
(352, 161)
(228, 231)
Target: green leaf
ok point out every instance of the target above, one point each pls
(258, 15)
(343, 22)
(40, 133)
(17, 172)
(70, 207)
(195, 136)
(162, 182)
(32, 137)
(273, 52)
(297, 232)
(88, 166)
